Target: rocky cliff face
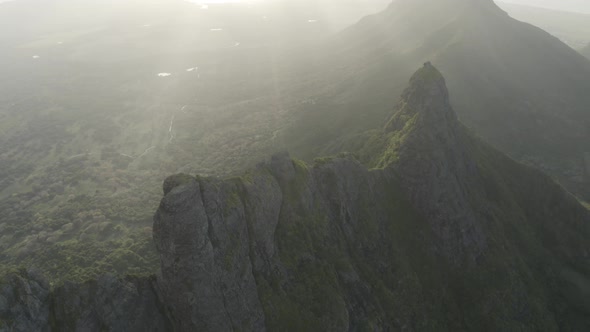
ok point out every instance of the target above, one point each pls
(445, 234)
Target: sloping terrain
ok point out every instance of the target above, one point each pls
(446, 234)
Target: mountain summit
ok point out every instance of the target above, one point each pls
(426, 98)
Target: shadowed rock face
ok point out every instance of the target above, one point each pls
(109, 303)
(232, 250)
(27, 303)
(201, 233)
(24, 303)
(446, 234)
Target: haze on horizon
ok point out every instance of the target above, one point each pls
(580, 6)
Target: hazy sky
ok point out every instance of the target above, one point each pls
(568, 5)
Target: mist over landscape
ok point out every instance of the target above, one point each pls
(579, 6)
(314, 165)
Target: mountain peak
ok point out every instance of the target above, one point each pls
(429, 150)
(427, 83)
(450, 3)
(444, 8)
(427, 97)
(428, 73)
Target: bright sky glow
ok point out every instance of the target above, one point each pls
(213, 2)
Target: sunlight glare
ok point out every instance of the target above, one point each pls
(215, 2)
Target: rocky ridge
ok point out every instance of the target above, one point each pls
(515, 85)
(445, 234)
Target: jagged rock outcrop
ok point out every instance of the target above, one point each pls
(436, 170)
(445, 234)
(201, 233)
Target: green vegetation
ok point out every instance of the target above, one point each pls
(132, 253)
